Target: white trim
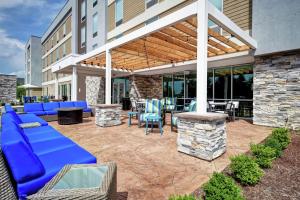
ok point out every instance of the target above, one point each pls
(57, 45)
(74, 84)
(225, 23)
(65, 79)
(48, 83)
(92, 53)
(108, 77)
(153, 11)
(68, 60)
(157, 25)
(110, 2)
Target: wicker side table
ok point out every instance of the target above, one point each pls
(88, 181)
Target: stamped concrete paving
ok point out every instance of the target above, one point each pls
(149, 166)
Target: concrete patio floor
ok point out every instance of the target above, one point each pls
(149, 166)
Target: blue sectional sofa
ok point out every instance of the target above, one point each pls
(48, 111)
(35, 155)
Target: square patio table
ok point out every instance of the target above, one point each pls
(85, 181)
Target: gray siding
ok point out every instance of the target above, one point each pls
(276, 25)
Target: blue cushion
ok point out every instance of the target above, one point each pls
(28, 118)
(8, 108)
(31, 107)
(87, 110)
(50, 106)
(11, 135)
(38, 113)
(47, 146)
(23, 163)
(81, 104)
(13, 115)
(69, 155)
(66, 104)
(43, 136)
(51, 112)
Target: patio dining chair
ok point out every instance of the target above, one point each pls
(169, 103)
(152, 107)
(191, 108)
(229, 109)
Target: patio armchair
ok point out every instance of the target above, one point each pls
(169, 103)
(229, 109)
(152, 107)
(191, 108)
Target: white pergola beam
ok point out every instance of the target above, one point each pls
(224, 22)
(108, 77)
(166, 21)
(202, 20)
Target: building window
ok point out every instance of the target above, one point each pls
(150, 3)
(95, 3)
(64, 30)
(83, 8)
(95, 46)
(64, 49)
(82, 36)
(95, 25)
(57, 37)
(149, 21)
(119, 12)
(57, 54)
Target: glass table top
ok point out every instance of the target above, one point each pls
(82, 177)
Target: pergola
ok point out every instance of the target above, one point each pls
(179, 37)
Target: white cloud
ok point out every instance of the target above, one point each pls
(27, 3)
(12, 54)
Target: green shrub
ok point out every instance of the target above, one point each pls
(222, 187)
(264, 155)
(275, 144)
(179, 197)
(245, 169)
(283, 136)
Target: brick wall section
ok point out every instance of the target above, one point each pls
(276, 90)
(8, 88)
(145, 87)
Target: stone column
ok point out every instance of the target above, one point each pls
(202, 135)
(107, 115)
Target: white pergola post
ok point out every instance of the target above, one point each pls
(56, 86)
(74, 84)
(108, 77)
(202, 20)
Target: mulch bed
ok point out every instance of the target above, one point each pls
(282, 181)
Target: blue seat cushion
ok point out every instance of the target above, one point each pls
(40, 129)
(87, 110)
(8, 108)
(66, 104)
(51, 112)
(50, 106)
(38, 113)
(32, 107)
(46, 146)
(28, 118)
(24, 164)
(43, 136)
(69, 155)
(144, 115)
(11, 135)
(81, 104)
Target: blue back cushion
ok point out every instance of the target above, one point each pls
(8, 108)
(66, 104)
(23, 163)
(31, 107)
(81, 104)
(50, 106)
(14, 116)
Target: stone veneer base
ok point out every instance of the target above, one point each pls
(202, 135)
(107, 115)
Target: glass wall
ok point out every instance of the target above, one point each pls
(223, 84)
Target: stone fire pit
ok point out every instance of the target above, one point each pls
(202, 135)
(107, 115)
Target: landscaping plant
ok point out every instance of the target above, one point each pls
(185, 197)
(282, 135)
(245, 169)
(222, 187)
(264, 155)
(275, 144)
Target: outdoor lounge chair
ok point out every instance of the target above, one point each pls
(174, 119)
(152, 107)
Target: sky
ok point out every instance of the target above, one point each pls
(18, 20)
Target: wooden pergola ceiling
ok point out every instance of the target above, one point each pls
(177, 43)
